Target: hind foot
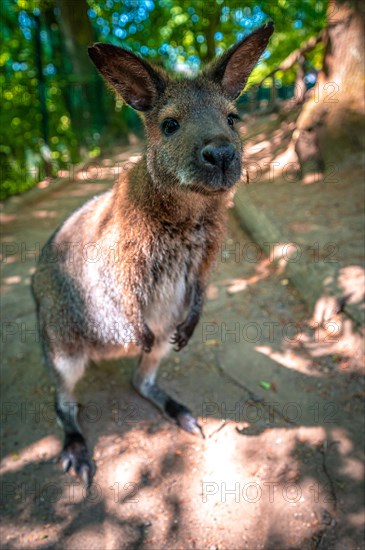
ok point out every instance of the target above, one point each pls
(183, 417)
(75, 455)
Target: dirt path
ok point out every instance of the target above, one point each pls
(280, 468)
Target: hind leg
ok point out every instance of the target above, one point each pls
(144, 381)
(67, 370)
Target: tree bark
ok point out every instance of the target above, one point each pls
(344, 54)
(78, 35)
(330, 123)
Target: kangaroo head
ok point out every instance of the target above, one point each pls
(192, 141)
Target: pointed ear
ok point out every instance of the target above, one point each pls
(132, 77)
(233, 68)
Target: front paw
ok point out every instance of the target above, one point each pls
(182, 336)
(147, 339)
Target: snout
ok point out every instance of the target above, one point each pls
(218, 156)
(219, 165)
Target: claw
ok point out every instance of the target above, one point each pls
(147, 339)
(86, 475)
(76, 455)
(180, 340)
(183, 417)
(188, 423)
(66, 463)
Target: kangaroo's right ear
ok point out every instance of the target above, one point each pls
(132, 77)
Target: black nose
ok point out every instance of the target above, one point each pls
(220, 156)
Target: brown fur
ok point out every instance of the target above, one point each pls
(156, 234)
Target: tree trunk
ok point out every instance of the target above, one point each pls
(78, 35)
(213, 14)
(300, 87)
(331, 121)
(44, 148)
(344, 55)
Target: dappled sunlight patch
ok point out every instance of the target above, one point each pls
(258, 137)
(313, 177)
(64, 173)
(125, 468)
(92, 535)
(287, 358)
(8, 282)
(212, 292)
(86, 189)
(284, 253)
(45, 449)
(7, 218)
(10, 259)
(44, 214)
(325, 309)
(159, 490)
(135, 158)
(108, 446)
(303, 227)
(219, 489)
(357, 519)
(288, 156)
(314, 435)
(246, 477)
(258, 147)
(344, 445)
(126, 155)
(144, 482)
(352, 468)
(351, 280)
(14, 280)
(263, 270)
(108, 162)
(107, 169)
(338, 337)
(238, 285)
(44, 183)
(336, 319)
(220, 454)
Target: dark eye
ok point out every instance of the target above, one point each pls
(169, 126)
(231, 118)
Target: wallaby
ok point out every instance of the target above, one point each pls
(157, 232)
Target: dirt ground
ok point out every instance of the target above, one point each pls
(315, 224)
(281, 466)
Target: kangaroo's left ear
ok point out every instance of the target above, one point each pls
(233, 68)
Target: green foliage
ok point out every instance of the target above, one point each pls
(21, 158)
(75, 115)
